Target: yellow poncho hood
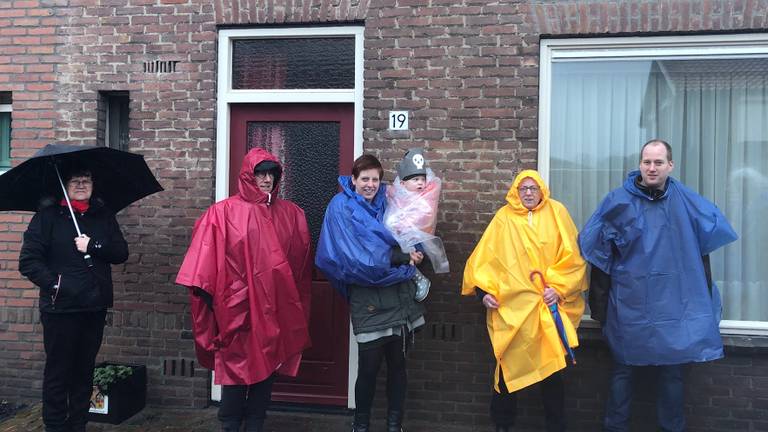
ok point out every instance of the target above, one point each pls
(517, 242)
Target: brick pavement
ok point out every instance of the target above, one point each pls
(204, 420)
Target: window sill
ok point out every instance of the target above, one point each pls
(736, 340)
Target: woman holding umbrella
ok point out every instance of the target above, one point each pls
(75, 292)
(531, 235)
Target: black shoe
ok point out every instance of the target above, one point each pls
(230, 426)
(395, 421)
(361, 422)
(254, 425)
(503, 428)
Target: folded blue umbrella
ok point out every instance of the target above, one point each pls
(553, 309)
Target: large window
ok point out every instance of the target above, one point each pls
(708, 97)
(5, 130)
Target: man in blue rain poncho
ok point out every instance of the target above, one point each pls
(364, 262)
(649, 243)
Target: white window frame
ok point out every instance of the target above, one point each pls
(226, 96)
(6, 108)
(638, 48)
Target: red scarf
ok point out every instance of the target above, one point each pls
(77, 205)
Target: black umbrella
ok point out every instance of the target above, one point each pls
(120, 177)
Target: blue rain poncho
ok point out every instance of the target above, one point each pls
(355, 247)
(661, 310)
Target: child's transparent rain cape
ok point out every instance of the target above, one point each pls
(411, 218)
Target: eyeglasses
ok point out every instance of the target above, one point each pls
(264, 174)
(85, 182)
(531, 189)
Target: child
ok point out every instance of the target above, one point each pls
(411, 214)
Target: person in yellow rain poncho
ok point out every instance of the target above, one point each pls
(531, 233)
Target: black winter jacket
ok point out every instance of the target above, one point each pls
(374, 308)
(49, 257)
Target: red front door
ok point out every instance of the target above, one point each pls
(315, 143)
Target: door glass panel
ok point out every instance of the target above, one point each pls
(311, 63)
(309, 152)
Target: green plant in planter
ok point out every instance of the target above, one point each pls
(104, 376)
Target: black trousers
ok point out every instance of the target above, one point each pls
(504, 404)
(369, 358)
(249, 402)
(71, 342)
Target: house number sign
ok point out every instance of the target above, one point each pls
(398, 120)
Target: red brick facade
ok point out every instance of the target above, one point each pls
(466, 69)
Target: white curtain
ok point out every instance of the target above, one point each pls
(714, 113)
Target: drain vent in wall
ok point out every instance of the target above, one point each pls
(179, 367)
(444, 331)
(159, 66)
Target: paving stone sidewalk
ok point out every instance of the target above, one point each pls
(155, 419)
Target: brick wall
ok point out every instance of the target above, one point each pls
(468, 72)
(56, 60)
(27, 43)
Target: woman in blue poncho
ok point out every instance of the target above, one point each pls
(364, 263)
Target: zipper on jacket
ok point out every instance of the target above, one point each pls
(530, 218)
(55, 294)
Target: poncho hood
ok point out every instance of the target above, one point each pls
(513, 196)
(630, 185)
(375, 207)
(246, 180)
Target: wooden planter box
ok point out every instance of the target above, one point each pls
(126, 397)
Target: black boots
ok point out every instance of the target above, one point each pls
(361, 422)
(502, 428)
(254, 425)
(231, 426)
(251, 425)
(394, 421)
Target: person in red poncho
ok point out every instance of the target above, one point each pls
(248, 270)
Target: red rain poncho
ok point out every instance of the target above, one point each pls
(254, 260)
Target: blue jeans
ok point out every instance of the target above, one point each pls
(669, 400)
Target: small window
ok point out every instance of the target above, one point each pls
(5, 129)
(113, 120)
(301, 63)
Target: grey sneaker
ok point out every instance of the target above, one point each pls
(422, 285)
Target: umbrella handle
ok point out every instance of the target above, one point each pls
(541, 276)
(87, 256)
